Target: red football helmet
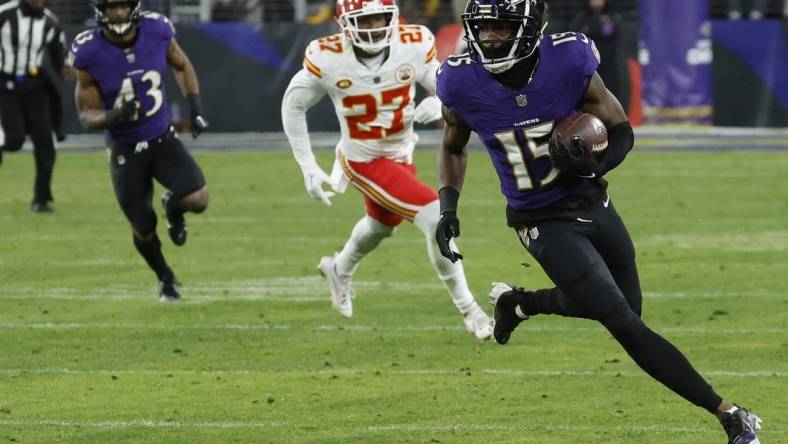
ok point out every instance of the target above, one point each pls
(370, 40)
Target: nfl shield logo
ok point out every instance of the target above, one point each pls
(522, 100)
(130, 57)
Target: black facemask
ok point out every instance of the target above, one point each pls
(518, 75)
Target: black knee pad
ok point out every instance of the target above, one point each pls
(624, 324)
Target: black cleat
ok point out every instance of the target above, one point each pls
(169, 291)
(504, 299)
(41, 207)
(741, 426)
(176, 223)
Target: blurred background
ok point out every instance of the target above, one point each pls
(686, 62)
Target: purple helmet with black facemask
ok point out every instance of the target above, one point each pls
(527, 18)
(117, 28)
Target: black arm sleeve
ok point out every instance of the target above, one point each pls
(195, 104)
(620, 141)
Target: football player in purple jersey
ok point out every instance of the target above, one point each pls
(120, 66)
(509, 89)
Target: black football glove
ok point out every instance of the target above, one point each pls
(448, 227)
(574, 157)
(126, 112)
(199, 125)
(198, 122)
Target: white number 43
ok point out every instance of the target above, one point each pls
(127, 93)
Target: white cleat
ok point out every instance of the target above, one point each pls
(507, 314)
(478, 323)
(498, 288)
(341, 289)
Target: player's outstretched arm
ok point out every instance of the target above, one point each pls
(600, 102)
(302, 93)
(186, 77)
(452, 161)
(453, 157)
(90, 109)
(185, 74)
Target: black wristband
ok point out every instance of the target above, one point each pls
(448, 197)
(195, 105)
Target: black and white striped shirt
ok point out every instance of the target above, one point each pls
(24, 34)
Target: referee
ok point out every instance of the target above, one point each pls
(29, 34)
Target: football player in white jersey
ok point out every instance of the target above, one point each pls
(369, 71)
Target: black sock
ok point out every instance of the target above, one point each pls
(151, 251)
(549, 301)
(665, 363)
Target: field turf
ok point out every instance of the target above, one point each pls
(254, 353)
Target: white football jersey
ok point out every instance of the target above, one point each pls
(375, 106)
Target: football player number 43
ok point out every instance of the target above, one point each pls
(360, 124)
(128, 94)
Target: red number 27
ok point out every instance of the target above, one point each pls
(370, 112)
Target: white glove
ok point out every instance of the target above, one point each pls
(429, 110)
(314, 178)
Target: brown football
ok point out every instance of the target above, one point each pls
(587, 126)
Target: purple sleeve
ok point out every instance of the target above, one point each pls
(77, 59)
(80, 51)
(589, 57)
(161, 26)
(169, 29)
(443, 84)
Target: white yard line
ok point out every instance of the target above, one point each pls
(152, 297)
(771, 240)
(356, 328)
(716, 295)
(143, 423)
(529, 427)
(451, 428)
(717, 265)
(302, 289)
(401, 372)
(363, 430)
(285, 296)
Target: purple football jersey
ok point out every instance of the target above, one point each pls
(515, 125)
(135, 73)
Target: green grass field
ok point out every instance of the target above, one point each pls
(254, 353)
